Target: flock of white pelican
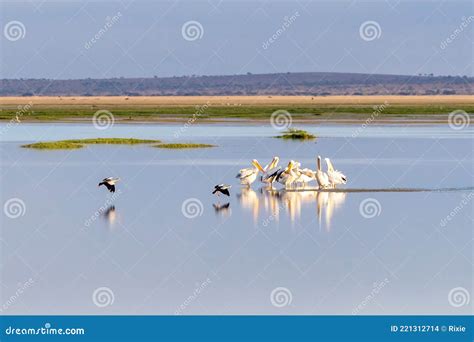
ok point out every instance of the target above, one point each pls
(292, 176)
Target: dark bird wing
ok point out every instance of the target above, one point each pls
(109, 187)
(225, 191)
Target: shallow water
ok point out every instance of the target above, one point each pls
(384, 246)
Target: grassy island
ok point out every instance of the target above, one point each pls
(296, 134)
(79, 143)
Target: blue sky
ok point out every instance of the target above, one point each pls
(147, 39)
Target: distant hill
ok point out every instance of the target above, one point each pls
(307, 83)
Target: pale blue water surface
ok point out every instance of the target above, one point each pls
(267, 252)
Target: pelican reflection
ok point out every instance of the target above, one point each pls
(270, 202)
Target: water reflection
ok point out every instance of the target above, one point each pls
(250, 200)
(222, 209)
(270, 203)
(110, 215)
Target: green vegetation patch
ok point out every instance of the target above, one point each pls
(116, 141)
(182, 146)
(79, 143)
(296, 134)
(54, 145)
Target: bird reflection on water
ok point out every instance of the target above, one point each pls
(110, 215)
(222, 209)
(270, 203)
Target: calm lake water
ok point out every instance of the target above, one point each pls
(163, 244)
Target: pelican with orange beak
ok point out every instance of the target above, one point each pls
(248, 175)
(271, 170)
(287, 176)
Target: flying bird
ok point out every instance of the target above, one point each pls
(222, 188)
(109, 183)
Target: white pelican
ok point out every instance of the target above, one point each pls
(222, 188)
(335, 177)
(271, 171)
(322, 177)
(249, 175)
(109, 183)
(287, 176)
(304, 175)
(273, 164)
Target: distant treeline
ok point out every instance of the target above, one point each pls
(308, 83)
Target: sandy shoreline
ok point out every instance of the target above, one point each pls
(234, 100)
